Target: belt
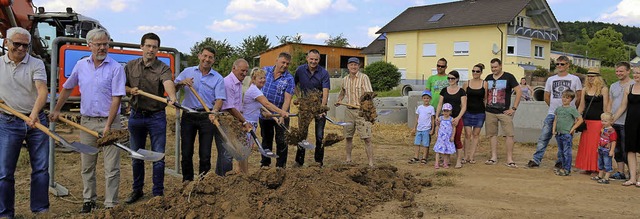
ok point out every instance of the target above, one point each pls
(147, 112)
(200, 110)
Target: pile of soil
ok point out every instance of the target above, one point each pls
(331, 139)
(367, 108)
(341, 191)
(238, 145)
(309, 106)
(112, 136)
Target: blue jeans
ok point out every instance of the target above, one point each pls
(604, 160)
(13, 132)
(319, 151)
(267, 129)
(190, 126)
(620, 154)
(543, 140)
(564, 150)
(155, 125)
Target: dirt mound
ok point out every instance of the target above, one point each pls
(331, 139)
(341, 191)
(112, 136)
(233, 129)
(367, 108)
(309, 106)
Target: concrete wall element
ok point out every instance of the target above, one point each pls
(528, 120)
(414, 100)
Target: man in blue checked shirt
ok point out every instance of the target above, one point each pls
(210, 86)
(278, 90)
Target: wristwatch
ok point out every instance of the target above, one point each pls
(514, 108)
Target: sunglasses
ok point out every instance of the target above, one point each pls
(18, 44)
(474, 71)
(561, 64)
(441, 66)
(451, 79)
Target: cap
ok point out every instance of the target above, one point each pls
(426, 92)
(593, 71)
(447, 106)
(353, 59)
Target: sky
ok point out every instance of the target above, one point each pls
(181, 25)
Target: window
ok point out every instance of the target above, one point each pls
(538, 52)
(429, 49)
(436, 17)
(519, 46)
(511, 45)
(400, 50)
(520, 21)
(460, 48)
(511, 50)
(464, 75)
(403, 73)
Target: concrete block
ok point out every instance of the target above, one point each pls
(413, 101)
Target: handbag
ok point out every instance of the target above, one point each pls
(583, 126)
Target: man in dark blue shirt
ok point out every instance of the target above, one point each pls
(312, 77)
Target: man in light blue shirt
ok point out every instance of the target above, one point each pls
(210, 87)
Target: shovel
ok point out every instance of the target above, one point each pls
(380, 113)
(140, 154)
(278, 115)
(76, 146)
(238, 155)
(175, 104)
(264, 152)
(304, 143)
(337, 123)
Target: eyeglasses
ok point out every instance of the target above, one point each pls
(561, 64)
(451, 79)
(18, 44)
(441, 66)
(474, 71)
(100, 44)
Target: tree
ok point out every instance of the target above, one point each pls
(384, 76)
(253, 46)
(289, 39)
(338, 41)
(607, 45)
(225, 54)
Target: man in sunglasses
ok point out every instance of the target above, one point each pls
(24, 88)
(553, 89)
(437, 82)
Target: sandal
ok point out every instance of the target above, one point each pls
(512, 165)
(490, 162)
(472, 161)
(413, 160)
(637, 184)
(603, 181)
(596, 178)
(436, 166)
(446, 166)
(629, 183)
(423, 161)
(463, 161)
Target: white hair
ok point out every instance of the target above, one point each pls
(97, 33)
(18, 30)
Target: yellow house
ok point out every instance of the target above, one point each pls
(519, 32)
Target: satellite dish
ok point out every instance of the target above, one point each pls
(496, 50)
(638, 50)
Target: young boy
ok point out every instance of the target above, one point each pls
(424, 127)
(606, 148)
(566, 120)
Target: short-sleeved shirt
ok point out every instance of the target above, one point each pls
(210, 87)
(606, 137)
(275, 88)
(616, 93)
(435, 83)
(565, 118)
(499, 92)
(97, 85)
(454, 99)
(355, 87)
(250, 105)
(149, 79)
(309, 81)
(17, 84)
(233, 89)
(424, 117)
(555, 85)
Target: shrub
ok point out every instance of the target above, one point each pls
(384, 76)
(540, 72)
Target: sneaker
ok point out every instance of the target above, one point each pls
(532, 164)
(88, 207)
(134, 196)
(558, 166)
(618, 176)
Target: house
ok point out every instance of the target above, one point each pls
(332, 58)
(635, 61)
(579, 60)
(375, 51)
(519, 32)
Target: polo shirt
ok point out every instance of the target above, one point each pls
(308, 81)
(17, 87)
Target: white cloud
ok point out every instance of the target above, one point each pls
(274, 10)
(315, 37)
(420, 2)
(371, 31)
(626, 13)
(83, 5)
(229, 25)
(176, 15)
(343, 5)
(155, 28)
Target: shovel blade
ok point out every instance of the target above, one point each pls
(147, 155)
(384, 112)
(306, 145)
(337, 123)
(82, 148)
(189, 110)
(267, 153)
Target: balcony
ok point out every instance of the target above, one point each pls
(551, 35)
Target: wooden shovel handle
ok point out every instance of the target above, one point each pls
(349, 105)
(27, 119)
(204, 105)
(158, 98)
(76, 125)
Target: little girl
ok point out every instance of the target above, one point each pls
(444, 145)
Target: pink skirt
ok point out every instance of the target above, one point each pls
(587, 158)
